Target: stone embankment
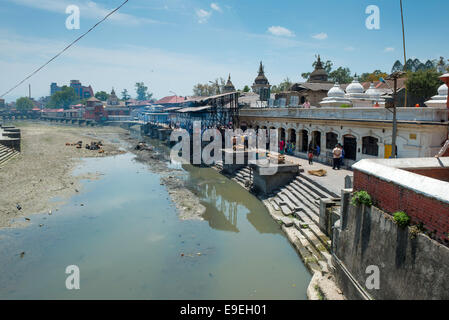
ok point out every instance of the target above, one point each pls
(296, 207)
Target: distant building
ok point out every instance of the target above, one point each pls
(82, 92)
(261, 81)
(229, 87)
(2, 103)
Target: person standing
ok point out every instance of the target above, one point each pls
(281, 146)
(336, 154)
(342, 158)
(310, 156)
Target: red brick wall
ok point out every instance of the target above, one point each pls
(392, 198)
(438, 173)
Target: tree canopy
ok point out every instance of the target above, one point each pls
(63, 98)
(246, 89)
(142, 92)
(372, 77)
(341, 75)
(209, 89)
(102, 95)
(125, 95)
(24, 104)
(285, 85)
(423, 84)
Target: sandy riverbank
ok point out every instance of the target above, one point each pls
(43, 170)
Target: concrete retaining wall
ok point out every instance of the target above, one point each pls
(409, 268)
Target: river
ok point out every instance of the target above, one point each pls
(124, 234)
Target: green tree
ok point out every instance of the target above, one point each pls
(341, 75)
(125, 95)
(142, 92)
(24, 104)
(285, 85)
(246, 89)
(372, 77)
(63, 98)
(102, 95)
(209, 89)
(423, 84)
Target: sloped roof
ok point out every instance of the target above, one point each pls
(170, 99)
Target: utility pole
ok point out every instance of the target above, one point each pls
(405, 55)
(395, 76)
(395, 120)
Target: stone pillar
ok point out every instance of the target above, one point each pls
(445, 79)
(298, 139)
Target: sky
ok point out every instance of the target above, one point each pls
(171, 45)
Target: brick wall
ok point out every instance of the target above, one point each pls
(437, 173)
(391, 198)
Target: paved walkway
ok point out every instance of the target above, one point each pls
(334, 180)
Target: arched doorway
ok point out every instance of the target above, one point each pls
(316, 139)
(281, 134)
(350, 147)
(305, 141)
(291, 136)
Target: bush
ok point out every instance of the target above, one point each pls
(362, 197)
(402, 219)
(345, 106)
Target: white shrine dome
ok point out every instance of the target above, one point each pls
(355, 87)
(373, 92)
(443, 90)
(336, 92)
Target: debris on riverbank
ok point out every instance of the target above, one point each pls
(43, 170)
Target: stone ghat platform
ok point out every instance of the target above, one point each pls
(10, 137)
(272, 176)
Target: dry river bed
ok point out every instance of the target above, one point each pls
(40, 179)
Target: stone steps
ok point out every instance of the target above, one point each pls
(315, 187)
(310, 256)
(6, 155)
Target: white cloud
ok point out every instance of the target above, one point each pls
(88, 8)
(349, 48)
(389, 49)
(203, 15)
(320, 36)
(104, 68)
(280, 31)
(216, 7)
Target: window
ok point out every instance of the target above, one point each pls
(331, 140)
(370, 147)
(294, 101)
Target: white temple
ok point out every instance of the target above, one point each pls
(440, 100)
(355, 96)
(335, 97)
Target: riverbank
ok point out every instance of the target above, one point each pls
(43, 170)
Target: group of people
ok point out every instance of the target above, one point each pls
(287, 148)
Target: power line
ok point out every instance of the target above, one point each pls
(65, 49)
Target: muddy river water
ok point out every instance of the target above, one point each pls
(124, 234)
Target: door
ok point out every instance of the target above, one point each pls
(350, 147)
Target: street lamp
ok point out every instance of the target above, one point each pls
(175, 95)
(394, 76)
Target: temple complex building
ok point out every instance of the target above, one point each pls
(359, 121)
(261, 81)
(313, 91)
(229, 87)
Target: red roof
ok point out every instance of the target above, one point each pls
(170, 99)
